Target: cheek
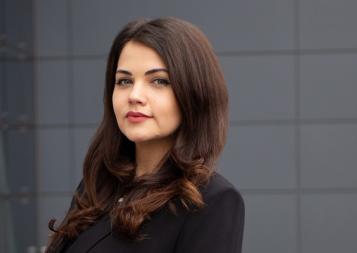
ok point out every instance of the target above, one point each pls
(176, 114)
(171, 116)
(117, 102)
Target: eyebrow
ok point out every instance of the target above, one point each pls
(149, 72)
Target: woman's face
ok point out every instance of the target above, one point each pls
(142, 85)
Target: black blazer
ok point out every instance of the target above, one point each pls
(217, 228)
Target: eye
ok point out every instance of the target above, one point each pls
(123, 81)
(161, 81)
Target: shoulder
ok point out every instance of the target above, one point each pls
(218, 226)
(223, 205)
(220, 190)
(221, 200)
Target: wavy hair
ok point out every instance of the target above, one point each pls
(109, 165)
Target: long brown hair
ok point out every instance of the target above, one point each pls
(109, 165)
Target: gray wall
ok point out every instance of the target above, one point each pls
(18, 202)
(290, 66)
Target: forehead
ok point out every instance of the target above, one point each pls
(137, 55)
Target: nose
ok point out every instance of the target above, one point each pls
(137, 93)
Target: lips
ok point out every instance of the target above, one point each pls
(137, 117)
(136, 114)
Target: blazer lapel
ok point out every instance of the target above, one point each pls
(90, 237)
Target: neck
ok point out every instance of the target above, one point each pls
(149, 154)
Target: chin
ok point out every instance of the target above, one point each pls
(138, 139)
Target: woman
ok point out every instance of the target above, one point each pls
(149, 181)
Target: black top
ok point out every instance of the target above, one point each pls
(217, 228)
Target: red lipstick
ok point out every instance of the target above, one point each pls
(137, 117)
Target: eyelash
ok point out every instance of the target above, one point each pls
(165, 81)
(120, 80)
